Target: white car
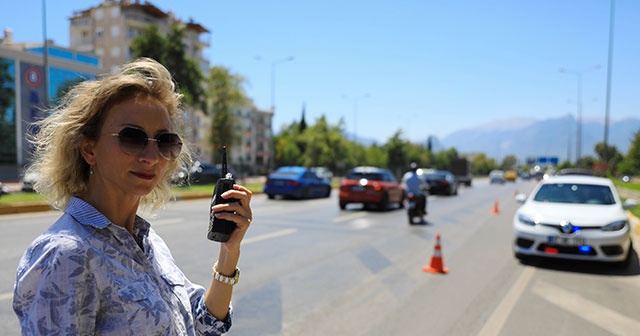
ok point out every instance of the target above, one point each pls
(573, 217)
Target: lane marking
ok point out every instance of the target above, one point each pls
(348, 217)
(268, 236)
(6, 296)
(499, 317)
(590, 311)
(166, 221)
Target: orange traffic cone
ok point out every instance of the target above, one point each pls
(436, 265)
(495, 209)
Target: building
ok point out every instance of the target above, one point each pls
(108, 29)
(254, 154)
(26, 89)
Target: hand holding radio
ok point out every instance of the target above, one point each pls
(220, 229)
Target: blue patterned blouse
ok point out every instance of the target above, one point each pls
(87, 276)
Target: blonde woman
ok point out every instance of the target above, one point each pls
(100, 269)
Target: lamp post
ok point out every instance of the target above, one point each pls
(579, 74)
(609, 61)
(273, 80)
(355, 113)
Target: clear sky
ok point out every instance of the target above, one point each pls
(426, 67)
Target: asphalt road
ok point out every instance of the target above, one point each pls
(310, 269)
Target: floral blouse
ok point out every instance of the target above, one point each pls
(87, 276)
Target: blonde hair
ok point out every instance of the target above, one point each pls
(57, 160)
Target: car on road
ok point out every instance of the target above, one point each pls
(370, 186)
(323, 173)
(573, 217)
(296, 182)
(4, 189)
(28, 180)
(200, 173)
(510, 175)
(496, 176)
(574, 171)
(441, 182)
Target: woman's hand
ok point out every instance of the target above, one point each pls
(237, 212)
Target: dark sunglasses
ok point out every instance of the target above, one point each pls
(134, 140)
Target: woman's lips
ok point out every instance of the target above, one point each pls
(142, 175)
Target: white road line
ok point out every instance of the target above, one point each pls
(268, 236)
(590, 311)
(348, 217)
(497, 320)
(6, 296)
(166, 221)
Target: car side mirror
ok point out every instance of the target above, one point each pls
(521, 198)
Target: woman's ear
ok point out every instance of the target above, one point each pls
(86, 150)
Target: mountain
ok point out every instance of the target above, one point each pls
(532, 138)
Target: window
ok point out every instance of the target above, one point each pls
(99, 32)
(115, 31)
(115, 12)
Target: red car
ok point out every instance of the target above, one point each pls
(371, 186)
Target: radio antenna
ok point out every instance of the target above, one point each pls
(224, 161)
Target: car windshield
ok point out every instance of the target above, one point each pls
(575, 193)
(368, 176)
(287, 174)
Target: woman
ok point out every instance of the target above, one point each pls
(109, 149)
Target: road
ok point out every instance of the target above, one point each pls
(310, 269)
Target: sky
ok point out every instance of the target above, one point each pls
(422, 67)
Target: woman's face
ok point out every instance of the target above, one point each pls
(118, 170)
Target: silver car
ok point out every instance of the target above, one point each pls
(573, 217)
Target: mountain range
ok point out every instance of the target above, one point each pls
(526, 138)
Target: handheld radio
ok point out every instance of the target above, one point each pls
(220, 229)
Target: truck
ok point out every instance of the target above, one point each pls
(461, 168)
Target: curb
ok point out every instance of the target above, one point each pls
(21, 207)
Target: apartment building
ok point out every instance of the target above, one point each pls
(108, 29)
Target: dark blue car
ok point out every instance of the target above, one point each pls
(296, 182)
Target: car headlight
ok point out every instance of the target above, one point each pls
(526, 220)
(615, 226)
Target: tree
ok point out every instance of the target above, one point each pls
(7, 123)
(225, 92)
(508, 162)
(398, 160)
(169, 50)
(608, 155)
(631, 163)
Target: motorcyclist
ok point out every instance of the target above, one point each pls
(415, 186)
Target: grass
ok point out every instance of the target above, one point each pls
(35, 197)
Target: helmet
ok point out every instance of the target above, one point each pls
(413, 166)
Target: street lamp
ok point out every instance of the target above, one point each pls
(609, 61)
(355, 112)
(273, 79)
(579, 103)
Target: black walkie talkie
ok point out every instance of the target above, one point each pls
(220, 229)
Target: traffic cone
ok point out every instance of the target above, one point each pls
(495, 209)
(436, 265)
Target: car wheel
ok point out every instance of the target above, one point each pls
(271, 196)
(343, 205)
(327, 192)
(384, 203)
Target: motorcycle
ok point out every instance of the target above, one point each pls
(415, 207)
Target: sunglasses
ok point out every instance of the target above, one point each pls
(134, 140)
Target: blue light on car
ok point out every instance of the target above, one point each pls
(584, 249)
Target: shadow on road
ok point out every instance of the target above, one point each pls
(578, 266)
